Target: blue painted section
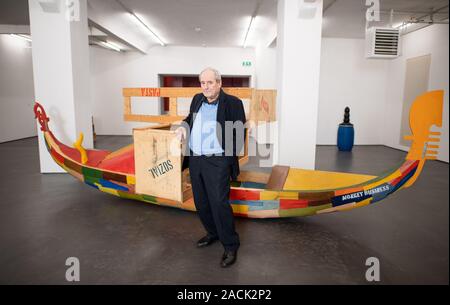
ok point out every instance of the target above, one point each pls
(247, 202)
(348, 198)
(267, 205)
(109, 184)
(403, 181)
(257, 205)
(254, 185)
(381, 195)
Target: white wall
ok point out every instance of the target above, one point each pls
(347, 78)
(430, 40)
(111, 71)
(16, 90)
(265, 67)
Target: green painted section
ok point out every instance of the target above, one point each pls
(149, 198)
(303, 211)
(91, 172)
(126, 195)
(91, 179)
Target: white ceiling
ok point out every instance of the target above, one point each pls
(223, 23)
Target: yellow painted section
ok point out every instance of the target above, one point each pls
(273, 195)
(302, 179)
(79, 146)
(107, 190)
(131, 180)
(363, 203)
(425, 112)
(268, 195)
(240, 208)
(287, 195)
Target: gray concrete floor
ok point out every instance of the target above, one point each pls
(46, 218)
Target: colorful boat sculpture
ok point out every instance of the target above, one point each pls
(286, 192)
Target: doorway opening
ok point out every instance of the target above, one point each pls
(167, 80)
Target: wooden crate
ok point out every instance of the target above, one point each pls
(158, 162)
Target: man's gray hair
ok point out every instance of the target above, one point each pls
(217, 75)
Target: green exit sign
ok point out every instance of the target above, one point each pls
(247, 63)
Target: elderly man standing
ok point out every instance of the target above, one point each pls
(213, 159)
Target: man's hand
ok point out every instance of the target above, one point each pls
(181, 133)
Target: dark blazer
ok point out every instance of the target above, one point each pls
(230, 108)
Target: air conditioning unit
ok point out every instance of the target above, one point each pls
(382, 42)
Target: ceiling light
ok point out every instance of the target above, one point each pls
(110, 45)
(139, 21)
(398, 25)
(248, 30)
(21, 37)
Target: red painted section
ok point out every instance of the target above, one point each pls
(293, 203)
(240, 215)
(123, 163)
(56, 155)
(406, 172)
(244, 195)
(94, 156)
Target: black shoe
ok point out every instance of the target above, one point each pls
(228, 258)
(206, 241)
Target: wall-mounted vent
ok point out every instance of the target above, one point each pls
(382, 43)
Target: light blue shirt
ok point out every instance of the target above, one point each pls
(203, 139)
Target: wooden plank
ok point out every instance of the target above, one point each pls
(259, 177)
(173, 106)
(263, 106)
(243, 160)
(187, 194)
(127, 92)
(242, 93)
(126, 105)
(277, 177)
(151, 118)
(156, 128)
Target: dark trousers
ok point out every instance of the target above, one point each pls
(210, 179)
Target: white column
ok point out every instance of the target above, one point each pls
(298, 69)
(60, 52)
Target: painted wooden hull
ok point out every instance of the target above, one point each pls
(253, 200)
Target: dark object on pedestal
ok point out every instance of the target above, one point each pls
(346, 133)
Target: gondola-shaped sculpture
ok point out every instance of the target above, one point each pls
(143, 171)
